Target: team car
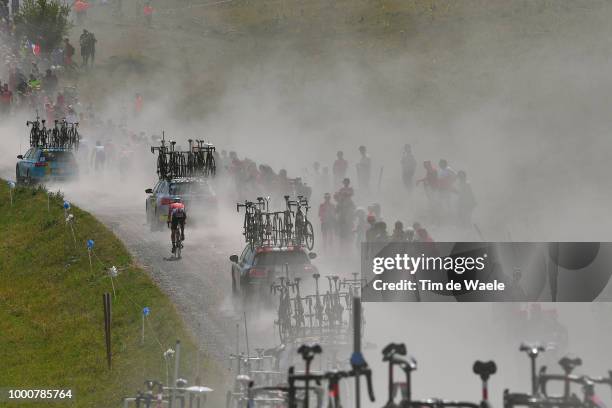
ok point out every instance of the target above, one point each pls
(198, 196)
(40, 164)
(258, 267)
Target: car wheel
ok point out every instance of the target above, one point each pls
(28, 179)
(17, 175)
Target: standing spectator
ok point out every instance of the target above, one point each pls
(446, 179)
(364, 168)
(6, 99)
(148, 12)
(465, 200)
(361, 227)
(80, 8)
(4, 10)
(345, 210)
(68, 53)
(85, 47)
(49, 82)
(50, 113)
(138, 104)
(92, 47)
(327, 215)
(408, 167)
(339, 169)
(398, 234)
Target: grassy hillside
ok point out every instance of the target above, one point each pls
(51, 314)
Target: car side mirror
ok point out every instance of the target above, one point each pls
(20, 156)
(149, 191)
(312, 255)
(234, 258)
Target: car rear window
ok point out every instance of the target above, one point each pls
(281, 258)
(189, 188)
(58, 156)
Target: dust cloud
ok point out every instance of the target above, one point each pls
(519, 99)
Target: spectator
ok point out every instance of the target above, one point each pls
(68, 53)
(327, 215)
(85, 47)
(408, 167)
(465, 200)
(92, 47)
(398, 234)
(138, 104)
(6, 99)
(148, 13)
(80, 8)
(339, 169)
(49, 82)
(364, 168)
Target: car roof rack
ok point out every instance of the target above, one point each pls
(62, 136)
(197, 162)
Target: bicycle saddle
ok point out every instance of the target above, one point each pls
(393, 348)
(568, 364)
(484, 369)
(308, 352)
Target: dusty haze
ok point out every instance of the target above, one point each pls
(514, 93)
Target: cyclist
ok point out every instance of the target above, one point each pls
(176, 217)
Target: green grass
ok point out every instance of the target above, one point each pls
(51, 313)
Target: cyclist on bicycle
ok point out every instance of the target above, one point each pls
(176, 217)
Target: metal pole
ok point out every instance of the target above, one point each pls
(246, 336)
(177, 356)
(107, 326)
(143, 324)
(357, 343)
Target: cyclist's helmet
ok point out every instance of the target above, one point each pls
(176, 199)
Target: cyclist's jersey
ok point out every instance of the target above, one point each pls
(177, 214)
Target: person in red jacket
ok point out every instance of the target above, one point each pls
(80, 8)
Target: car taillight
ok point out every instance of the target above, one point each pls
(258, 272)
(40, 164)
(166, 201)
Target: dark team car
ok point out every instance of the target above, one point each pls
(257, 268)
(199, 198)
(46, 164)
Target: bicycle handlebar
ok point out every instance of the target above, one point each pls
(532, 349)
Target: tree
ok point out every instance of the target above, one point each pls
(43, 22)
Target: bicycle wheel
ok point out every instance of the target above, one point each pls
(308, 235)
